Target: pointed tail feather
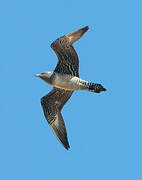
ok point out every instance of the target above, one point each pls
(97, 88)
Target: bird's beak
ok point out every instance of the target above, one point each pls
(76, 35)
(42, 75)
(37, 75)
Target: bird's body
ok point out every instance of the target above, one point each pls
(64, 79)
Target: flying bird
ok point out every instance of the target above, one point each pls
(64, 79)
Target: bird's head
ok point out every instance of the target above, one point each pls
(46, 76)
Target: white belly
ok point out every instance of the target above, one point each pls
(66, 82)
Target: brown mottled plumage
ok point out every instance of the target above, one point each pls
(65, 79)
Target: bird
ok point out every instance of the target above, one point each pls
(65, 80)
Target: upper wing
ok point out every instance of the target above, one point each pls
(52, 104)
(68, 62)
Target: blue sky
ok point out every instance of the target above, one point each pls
(104, 130)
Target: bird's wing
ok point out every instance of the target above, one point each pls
(52, 105)
(68, 62)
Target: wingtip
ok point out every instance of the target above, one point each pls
(60, 133)
(65, 143)
(77, 34)
(86, 28)
(67, 147)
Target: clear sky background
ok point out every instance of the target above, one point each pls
(104, 130)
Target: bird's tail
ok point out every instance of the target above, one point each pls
(97, 88)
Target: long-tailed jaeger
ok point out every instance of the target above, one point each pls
(64, 79)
